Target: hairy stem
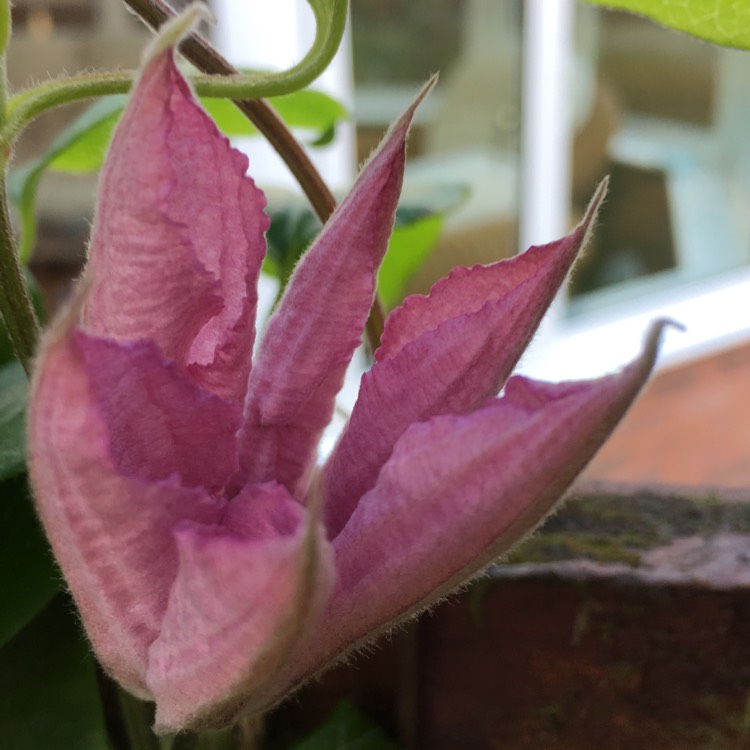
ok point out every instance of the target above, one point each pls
(199, 52)
(24, 107)
(16, 309)
(5, 28)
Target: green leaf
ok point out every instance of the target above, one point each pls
(79, 148)
(409, 247)
(306, 110)
(82, 146)
(419, 223)
(293, 228)
(725, 22)
(14, 388)
(310, 110)
(48, 685)
(347, 729)
(28, 577)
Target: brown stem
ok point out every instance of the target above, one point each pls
(199, 52)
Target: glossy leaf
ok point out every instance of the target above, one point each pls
(28, 577)
(48, 686)
(725, 22)
(347, 729)
(13, 396)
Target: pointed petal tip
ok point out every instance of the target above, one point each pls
(398, 131)
(600, 193)
(420, 97)
(654, 337)
(659, 325)
(597, 199)
(363, 222)
(176, 29)
(592, 211)
(432, 81)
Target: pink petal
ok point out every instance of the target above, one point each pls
(111, 533)
(467, 290)
(445, 354)
(239, 608)
(178, 239)
(159, 423)
(310, 340)
(459, 491)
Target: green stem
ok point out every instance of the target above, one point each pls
(137, 717)
(199, 52)
(16, 309)
(329, 31)
(5, 25)
(24, 107)
(3, 90)
(27, 105)
(225, 740)
(5, 28)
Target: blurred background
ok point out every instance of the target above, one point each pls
(532, 110)
(623, 622)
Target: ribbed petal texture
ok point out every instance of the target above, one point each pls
(215, 568)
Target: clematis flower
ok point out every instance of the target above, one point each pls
(215, 565)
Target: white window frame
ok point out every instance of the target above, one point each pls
(715, 311)
(275, 36)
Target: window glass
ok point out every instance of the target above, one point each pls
(463, 152)
(678, 159)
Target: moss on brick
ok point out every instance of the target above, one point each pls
(619, 528)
